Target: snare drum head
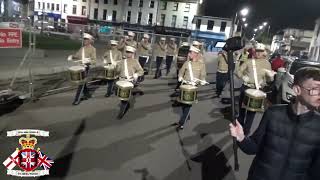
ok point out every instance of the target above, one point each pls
(76, 68)
(109, 67)
(255, 93)
(188, 87)
(124, 84)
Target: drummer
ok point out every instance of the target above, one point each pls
(193, 75)
(246, 73)
(129, 69)
(111, 57)
(144, 49)
(160, 52)
(87, 54)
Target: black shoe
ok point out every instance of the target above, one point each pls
(180, 128)
(176, 104)
(175, 94)
(107, 95)
(76, 103)
(141, 93)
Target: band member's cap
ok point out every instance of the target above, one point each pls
(172, 39)
(194, 49)
(113, 42)
(260, 47)
(130, 33)
(185, 44)
(130, 49)
(196, 43)
(163, 39)
(146, 36)
(87, 36)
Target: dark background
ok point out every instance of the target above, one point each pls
(279, 13)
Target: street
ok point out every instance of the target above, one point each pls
(87, 141)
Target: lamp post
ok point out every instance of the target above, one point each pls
(243, 12)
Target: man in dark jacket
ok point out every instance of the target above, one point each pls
(287, 141)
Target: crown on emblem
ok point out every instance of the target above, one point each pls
(27, 142)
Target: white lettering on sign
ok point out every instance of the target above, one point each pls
(2, 34)
(14, 41)
(2, 40)
(13, 34)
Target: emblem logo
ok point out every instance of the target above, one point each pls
(27, 158)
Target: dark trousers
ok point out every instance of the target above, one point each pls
(245, 117)
(142, 61)
(110, 85)
(82, 89)
(158, 65)
(221, 80)
(169, 60)
(186, 109)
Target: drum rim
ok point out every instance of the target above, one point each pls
(250, 95)
(81, 68)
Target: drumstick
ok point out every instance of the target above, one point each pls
(202, 81)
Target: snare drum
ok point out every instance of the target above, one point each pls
(124, 89)
(254, 100)
(109, 72)
(188, 94)
(77, 74)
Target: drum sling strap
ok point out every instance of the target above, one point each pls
(111, 58)
(255, 76)
(190, 71)
(126, 73)
(82, 55)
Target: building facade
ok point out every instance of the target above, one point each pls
(314, 50)
(13, 8)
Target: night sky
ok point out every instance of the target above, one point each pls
(280, 13)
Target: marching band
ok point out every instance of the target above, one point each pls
(123, 73)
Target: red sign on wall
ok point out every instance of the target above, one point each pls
(10, 38)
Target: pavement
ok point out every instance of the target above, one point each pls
(88, 142)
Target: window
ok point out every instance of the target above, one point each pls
(95, 13)
(139, 17)
(223, 26)
(185, 22)
(151, 4)
(84, 11)
(43, 5)
(96, 1)
(129, 16)
(114, 15)
(141, 3)
(39, 5)
(187, 7)
(173, 21)
(58, 7)
(164, 5)
(130, 3)
(238, 28)
(52, 7)
(105, 1)
(150, 18)
(115, 2)
(198, 23)
(210, 25)
(84, 0)
(175, 6)
(65, 8)
(48, 5)
(74, 9)
(104, 17)
(74, 0)
(162, 19)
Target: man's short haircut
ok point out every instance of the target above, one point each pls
(306, 73)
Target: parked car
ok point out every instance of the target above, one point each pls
(287, 81)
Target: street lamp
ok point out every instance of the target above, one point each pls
(244, 11)
(260, 27)
(255, 30)
(265, 23)
(246, 25)
(244, 19)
